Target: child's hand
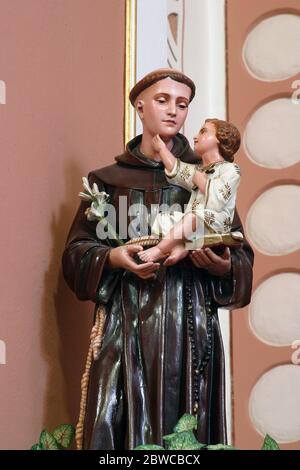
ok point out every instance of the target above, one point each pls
(158, 144)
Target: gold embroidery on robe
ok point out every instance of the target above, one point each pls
(227, 224)
(225, 191)
(185, 173)
(209, 217)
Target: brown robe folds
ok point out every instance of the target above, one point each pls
(145, 379)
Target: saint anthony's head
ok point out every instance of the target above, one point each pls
(161, 99)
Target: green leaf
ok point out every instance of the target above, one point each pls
(270, 444)
(186, 423)
(182, 440)
(149, 447)
(64, 434)
(36, 447)
(220, 447)
(47, 441)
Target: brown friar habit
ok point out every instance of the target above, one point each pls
(162, 349)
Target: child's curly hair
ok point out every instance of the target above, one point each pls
(228, 136)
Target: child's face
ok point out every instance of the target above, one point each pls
(206, 139)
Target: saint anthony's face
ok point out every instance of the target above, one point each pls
(206, 139)
(164, 107)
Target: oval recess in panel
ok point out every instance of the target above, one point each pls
(274, 310)
(274, 403)
(273, 222)
(271, 49)
(271, 137)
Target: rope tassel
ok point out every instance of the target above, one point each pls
(93, 354)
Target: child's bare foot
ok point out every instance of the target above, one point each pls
(178, 252)
(152, 254)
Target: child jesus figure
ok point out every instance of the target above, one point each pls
(213, 185)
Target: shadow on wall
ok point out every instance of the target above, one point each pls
(66, 321)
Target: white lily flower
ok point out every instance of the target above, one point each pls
(90, 215)
(101, 197)
(86, 185)
(95, 189)
(85, 196)
(95, 212)
(97, 209)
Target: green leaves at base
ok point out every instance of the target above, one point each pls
(149, 447)
(186, 423)
(64, 435)
(47, 441)
(184, 438)
(36, 447)
(270, 444)
(61, 438)
(220, 447)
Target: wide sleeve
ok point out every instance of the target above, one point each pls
(234, 291)
(182, 175)
(84, 258)
(220, 192)
(216, 208)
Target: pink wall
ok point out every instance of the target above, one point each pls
(62, 62)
